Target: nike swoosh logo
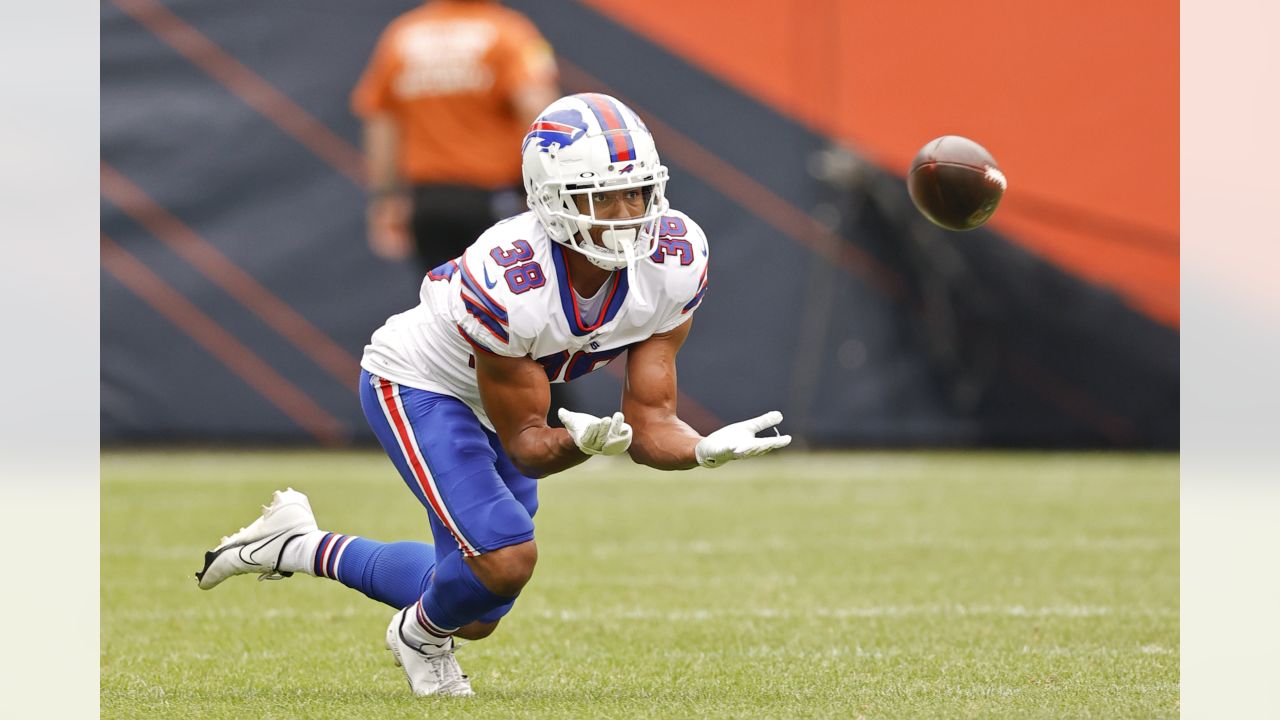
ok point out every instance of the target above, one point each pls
(488, 283)
(249, 560)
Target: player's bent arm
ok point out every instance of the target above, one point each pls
(516, 396)
(661, 439)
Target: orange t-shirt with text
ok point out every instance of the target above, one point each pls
(447, 72)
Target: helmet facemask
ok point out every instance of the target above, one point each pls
(622, 240)
(586, 144)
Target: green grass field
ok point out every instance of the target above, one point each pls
(905, 585)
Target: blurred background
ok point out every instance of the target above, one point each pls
(238, 289)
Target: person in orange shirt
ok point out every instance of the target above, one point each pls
(446, 101)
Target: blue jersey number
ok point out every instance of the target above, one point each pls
(522, 273)
(519, 252)
(671, 230)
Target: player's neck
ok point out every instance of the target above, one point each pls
(587, 278)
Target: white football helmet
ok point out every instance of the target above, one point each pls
(587, 143)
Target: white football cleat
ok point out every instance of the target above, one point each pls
(431, 670)
(257, 548)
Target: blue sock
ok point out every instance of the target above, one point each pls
(393, 573)
(456, 596)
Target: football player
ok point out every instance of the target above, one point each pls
(457, 388)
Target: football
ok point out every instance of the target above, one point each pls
(955, 183)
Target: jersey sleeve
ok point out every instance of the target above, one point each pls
(487, 310)
(682, 239)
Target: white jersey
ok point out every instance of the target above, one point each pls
(510, 294)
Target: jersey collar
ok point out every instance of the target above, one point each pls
(577, 325)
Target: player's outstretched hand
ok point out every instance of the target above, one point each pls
(737, 441)
(597, 436)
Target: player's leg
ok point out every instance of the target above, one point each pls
(285, 541)
(484, 536)
(392, 573)
(525, 491)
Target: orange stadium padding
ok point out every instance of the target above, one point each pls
(1078, 102)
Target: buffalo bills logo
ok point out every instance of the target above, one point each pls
(562, 127)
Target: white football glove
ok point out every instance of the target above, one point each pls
(737, 441)
(597, 436)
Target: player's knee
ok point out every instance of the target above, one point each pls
(505, 571)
